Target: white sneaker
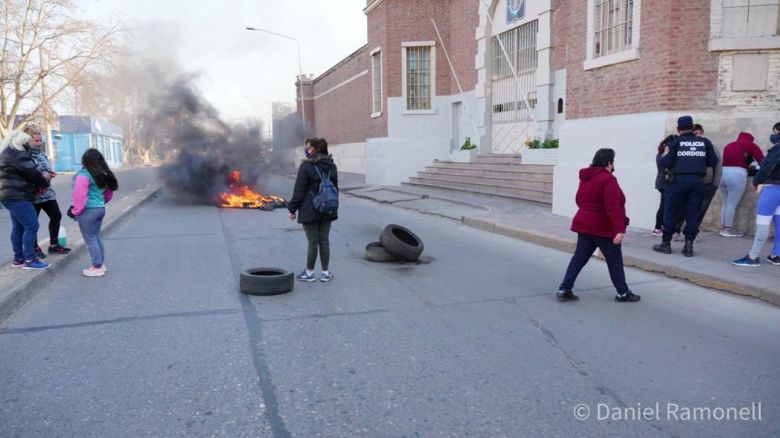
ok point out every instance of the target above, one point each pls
(729, 233)
(93, 272)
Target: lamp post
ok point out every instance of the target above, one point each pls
(300, 72)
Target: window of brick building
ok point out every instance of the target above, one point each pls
(520, 46)
(376, 83)
(418, 76)
(613, 32)
(750, 18)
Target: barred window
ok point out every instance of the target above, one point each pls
(613, 26)
(751, 18)
(376, 80)
(418, 78)
(520, 45)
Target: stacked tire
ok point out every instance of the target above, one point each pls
(396, 243)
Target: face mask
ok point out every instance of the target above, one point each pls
(774, 138)
(306, 152)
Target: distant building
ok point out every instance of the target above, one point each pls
(80, 133)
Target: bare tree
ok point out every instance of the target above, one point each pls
(45, 50)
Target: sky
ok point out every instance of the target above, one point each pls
(240, 71)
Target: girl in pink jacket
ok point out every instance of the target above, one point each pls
(93, 187)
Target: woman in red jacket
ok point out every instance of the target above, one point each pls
(600, 223)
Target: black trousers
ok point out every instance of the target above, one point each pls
(318, 235)
(706, 199)
(586, 246)
(684, 195)
(52, 210)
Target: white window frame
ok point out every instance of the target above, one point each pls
(374, 79)
(718, 43)
(432, 45)
(630, 54)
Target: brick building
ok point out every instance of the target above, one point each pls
(592, 73)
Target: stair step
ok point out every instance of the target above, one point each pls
(509, 159)
(518, 183)
(526, 195)
(497, 174)
(498, 167)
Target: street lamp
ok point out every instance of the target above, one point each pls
(300, 72)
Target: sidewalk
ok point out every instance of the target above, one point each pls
(535, 223)
(17, 285)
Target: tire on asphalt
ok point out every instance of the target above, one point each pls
(401, 242)
(266, 281)
(375, 252)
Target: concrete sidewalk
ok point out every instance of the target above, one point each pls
(535, 223)
(17, 285)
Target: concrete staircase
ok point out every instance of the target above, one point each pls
(493, 175)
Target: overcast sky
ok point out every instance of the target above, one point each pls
(242, 71)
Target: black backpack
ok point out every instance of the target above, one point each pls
(326, 200)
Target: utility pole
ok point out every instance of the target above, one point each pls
(51, 151)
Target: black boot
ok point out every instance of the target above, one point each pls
(688, 248)
(663, 247)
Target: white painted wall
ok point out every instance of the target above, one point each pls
(349, 157)
(415, 140)
(635, 138)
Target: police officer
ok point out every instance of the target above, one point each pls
(686, 158)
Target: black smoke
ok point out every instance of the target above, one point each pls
(199, 147)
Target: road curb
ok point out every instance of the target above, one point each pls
(568, 245)
(26, 286)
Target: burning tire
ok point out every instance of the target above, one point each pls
(401, 242)
(266, 281)
(375, 252)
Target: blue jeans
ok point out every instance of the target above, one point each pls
(24, 231)
(90, 223)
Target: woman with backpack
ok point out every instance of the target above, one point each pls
(316, 217)
(93, 186)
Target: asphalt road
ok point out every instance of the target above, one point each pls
(130, 180)
(469, 343)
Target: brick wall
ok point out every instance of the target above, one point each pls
(560, 33)
(675, 70)
(341, 100)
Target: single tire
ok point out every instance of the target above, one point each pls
(376, 253)
(266, 281)
(401, 242)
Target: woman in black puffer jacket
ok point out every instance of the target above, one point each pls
(315, 224)
(19, 183)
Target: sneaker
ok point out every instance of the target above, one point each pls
(303, 276)
(775, 260)
(326, 276)
(17, 263)
(678, 237)
(657, 233)
(58, 249)
(566, 295)
(728, 232)
(35, 264)
(39, 253)
(747, 261)
(93, 272)
(628, 297)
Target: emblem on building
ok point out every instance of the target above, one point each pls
(515, 10)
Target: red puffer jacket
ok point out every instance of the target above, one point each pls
(602, 204)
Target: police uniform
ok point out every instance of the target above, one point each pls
(687, 159)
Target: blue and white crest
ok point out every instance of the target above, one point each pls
(515, 10)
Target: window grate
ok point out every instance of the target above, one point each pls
(418, 78)
(613, 26)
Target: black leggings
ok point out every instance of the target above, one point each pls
(52, 209)
(318, 235)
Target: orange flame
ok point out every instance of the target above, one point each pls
(242, 196)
